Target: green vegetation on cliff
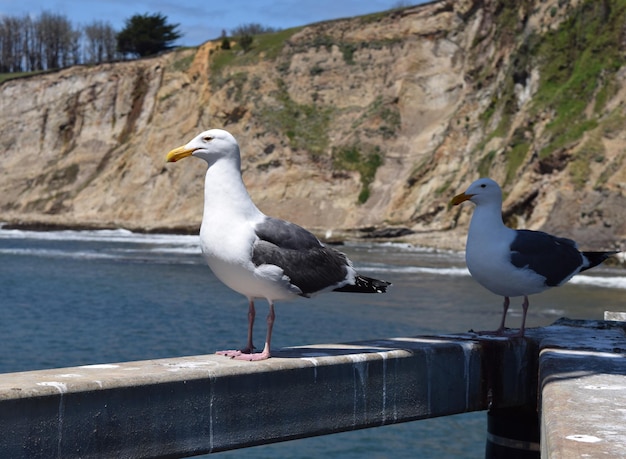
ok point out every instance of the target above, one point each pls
(577, 63)
(362, 159)
(305, 125)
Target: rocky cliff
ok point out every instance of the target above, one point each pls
(368, 124)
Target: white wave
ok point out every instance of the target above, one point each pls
(188, 245)
(136, 256)
(191, 250)
(618, 282)
(600, 281)
(553, 312)
(51, 253)
(180, 250)
(117, 235)
(404, 247)
(452, 271)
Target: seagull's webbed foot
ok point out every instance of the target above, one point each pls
(253, 357)
(233, 353)
(248, 353)
(249, 348)
(229, 353)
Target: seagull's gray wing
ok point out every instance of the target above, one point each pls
(309, 264)
(554, 258)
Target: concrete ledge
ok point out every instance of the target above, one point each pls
(193, 405)
(583, 386)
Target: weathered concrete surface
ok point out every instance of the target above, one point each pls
(193, 405)
(583, 386)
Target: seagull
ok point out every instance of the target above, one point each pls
(256, 255)
(512, 262)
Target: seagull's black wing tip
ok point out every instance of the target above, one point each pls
(595, 258)
(364, 284)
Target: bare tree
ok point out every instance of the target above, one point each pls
(252, 29)
(100, 42)
(49, 41)
(109, 39)
(58, 38)
(5, 46)
(33, 47)
(75, 47)
(27, 30)
(11, 45)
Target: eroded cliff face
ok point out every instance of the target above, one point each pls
(370, 122)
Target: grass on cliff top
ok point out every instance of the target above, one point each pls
(266, 46)
(10, 76)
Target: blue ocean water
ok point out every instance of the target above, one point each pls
(71, 298)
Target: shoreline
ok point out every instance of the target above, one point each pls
(437, 239)
(449, 240)
(49, 226)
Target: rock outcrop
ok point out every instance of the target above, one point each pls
(365, 125)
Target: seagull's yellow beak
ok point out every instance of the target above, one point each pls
(459, 198)
(179, 153)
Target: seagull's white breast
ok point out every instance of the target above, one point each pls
(488, 258)
(227, 250)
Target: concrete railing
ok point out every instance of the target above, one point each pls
(193, 405)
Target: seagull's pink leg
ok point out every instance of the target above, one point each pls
(251, 316)
(266, 349)
(249, 349)
(525, 308)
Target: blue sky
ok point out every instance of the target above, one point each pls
(200, 20)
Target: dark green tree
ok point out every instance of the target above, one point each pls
(245, 34)
(146, 34)
(245, 41)
(225, 41)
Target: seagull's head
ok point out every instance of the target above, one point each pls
(483, 190)
(209, 145)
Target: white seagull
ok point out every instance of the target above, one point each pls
(256, 255)
(512, 262)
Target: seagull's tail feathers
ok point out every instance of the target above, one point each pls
(364, 284)
(595, 258)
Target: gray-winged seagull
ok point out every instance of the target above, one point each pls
(256, 255)
(512, 262)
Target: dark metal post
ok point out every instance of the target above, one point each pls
(512, 433)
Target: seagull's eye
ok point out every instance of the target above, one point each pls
(208, 138)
